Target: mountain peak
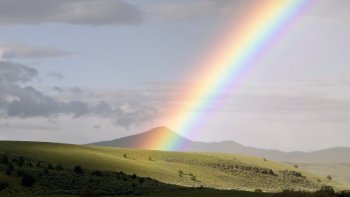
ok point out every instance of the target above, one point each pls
(160, 129)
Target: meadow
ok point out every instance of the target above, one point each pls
(72, 169)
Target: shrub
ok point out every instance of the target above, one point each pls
(27, 180)
(5, 159)
(11, 167)
(150, 158)
(3, 185)
(329, 177)
(59, 167)
(344, 194)
(78, 170)
(318, 180)
(193, 178)
(258, 190)
(21, 161)
(89, 193)
(296, 166)
(181, 173)
(190, 174)
(125, 155)
(96, 173)
(264, 159)
(50, 166)
(134, 176)
(20, 173)
(327, 189)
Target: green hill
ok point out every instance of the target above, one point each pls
(221, 171)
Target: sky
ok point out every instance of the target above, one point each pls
(85, 71)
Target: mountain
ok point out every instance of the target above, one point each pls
(332, 155)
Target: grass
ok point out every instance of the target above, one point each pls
(220, 171)
(339, 171)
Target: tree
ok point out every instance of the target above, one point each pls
(5, 159)
(50, 166)
(27, 180)
(78, 170)
(21, 161)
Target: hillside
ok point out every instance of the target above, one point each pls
(222, 171)
(338, 155)
(339, 171)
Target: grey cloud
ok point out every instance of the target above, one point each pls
(25, 101)
(193, 9)
(11, 73)
(314, 100)
(11, 51)
(85, 12)
(57, 76)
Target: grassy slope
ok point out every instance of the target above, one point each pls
(165, 165)
(339, 171)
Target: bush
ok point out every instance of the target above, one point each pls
(78, 170)
(50, 166)
(3, 185)
(344, 194)
(59, 167)
(20, 173)
(27, 180)
(89, 194)
(11, 167)
(181, 173)
(21, 161)
(134, 176)
(193, 178)
(96, 173)
(125, 155)
(258, 190)
(329, 177)
(296, 166)
(327, 189)
(5, 159)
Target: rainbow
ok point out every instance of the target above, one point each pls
(233, 57)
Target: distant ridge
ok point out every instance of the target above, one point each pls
(337, 154)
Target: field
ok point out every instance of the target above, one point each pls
(208, 170)
(339, 171)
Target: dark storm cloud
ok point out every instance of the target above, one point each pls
(86, 12)
(21, 101)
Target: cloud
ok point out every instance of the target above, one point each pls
(303, 101)
(77, 12)
(11, 51)
(18, 100)
(192, 9)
